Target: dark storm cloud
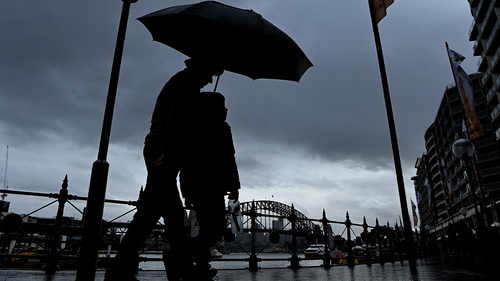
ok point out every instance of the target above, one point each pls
(55, 64)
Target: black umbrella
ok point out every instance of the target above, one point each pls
(241, 41)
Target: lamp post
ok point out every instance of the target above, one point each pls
(99, 176)
(463, 211)
(464, 149)
(428, 234)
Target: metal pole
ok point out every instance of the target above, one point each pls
(326, 256)
(366, 237)
(253, 263)
(294, 260)
(350, 257)
(97, 189)
(53, 256)
(395, 147)
(465, 158)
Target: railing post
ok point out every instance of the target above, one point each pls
(52, 262)
(327, 263)
(390, 241)
(294, 260)
(380, 237)
(366, 237)
(253, 264)
(350, 257)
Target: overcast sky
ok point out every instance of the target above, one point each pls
(320, 144)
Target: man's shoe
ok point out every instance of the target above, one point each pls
(119, 276)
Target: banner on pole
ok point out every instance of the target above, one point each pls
(466, 91)
(380, 7)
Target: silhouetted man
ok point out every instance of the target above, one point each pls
(208, 173)
(161, 154)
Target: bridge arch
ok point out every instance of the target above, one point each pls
(303, 224)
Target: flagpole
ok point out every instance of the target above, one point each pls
(395, 148)
(454, 76)
(484, 221)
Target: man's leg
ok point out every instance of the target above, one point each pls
(160, 190)
(210, 214)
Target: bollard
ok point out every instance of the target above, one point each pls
(52, 262)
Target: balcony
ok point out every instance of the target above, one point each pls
(488, 157)
(487, 23)
(473, 31)
(485, 77)
(442, 212)
(485, 142)
(491, 92)
(439, 195)
(480, 12)
(452, 98)
(491, 39)
(456, 110)
(434, 166)
(431, 146)
(482, 64)
(490, 172)
(477, 48)
(473, 3)
(495, 112)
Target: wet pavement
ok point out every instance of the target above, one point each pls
(444, 267)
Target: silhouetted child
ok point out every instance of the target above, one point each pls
(208, 172)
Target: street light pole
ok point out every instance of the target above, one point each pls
(91, 235)
(410, 245)
(464, 149)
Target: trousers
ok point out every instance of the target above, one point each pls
(210, 214)
(160, 199)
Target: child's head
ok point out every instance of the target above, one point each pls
(211, 105)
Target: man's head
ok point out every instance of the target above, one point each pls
(203, 70)
(212, 106)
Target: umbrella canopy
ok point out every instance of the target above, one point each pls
(241, 41)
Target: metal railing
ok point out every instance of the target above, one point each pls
(54, 255)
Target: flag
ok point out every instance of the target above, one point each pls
(447, 179)
(380, 7)
(415, 217)
(466, 91)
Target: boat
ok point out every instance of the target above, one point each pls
(215, 254)
(315, 251)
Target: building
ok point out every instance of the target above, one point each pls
(484, 32)
(445, 186)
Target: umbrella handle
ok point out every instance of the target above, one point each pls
(216, 83)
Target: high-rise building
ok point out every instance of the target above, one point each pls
(484, 31)
(445, 186)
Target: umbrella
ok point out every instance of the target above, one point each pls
(240, 41)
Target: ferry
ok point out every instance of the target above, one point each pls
(315, 251)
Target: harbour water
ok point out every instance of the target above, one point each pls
(268, 260)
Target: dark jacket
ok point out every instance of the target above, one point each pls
(171, 110)
(208, 164)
